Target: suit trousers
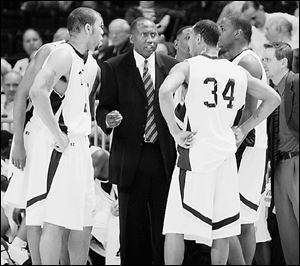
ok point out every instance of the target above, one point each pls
(142, 208)
(286, 197)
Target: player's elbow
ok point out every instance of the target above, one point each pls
(35, 93)
(276, 100)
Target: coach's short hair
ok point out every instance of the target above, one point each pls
(282, 50)
(209, 31)
(81, 16)
(243, 25)
(134, 23)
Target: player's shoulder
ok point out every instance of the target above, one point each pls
(250, 58)
(61, 52)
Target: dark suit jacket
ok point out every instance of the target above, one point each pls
(291, 102)
(122, 89)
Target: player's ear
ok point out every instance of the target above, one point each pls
(88, 28)
(237, 34)
(199, 38)
(284, 62)
(131, 38)
(175, 44)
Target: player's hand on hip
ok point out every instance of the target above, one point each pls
(239, 136)
(113, 119)
(115, 208)
(62, 142)
(185, 139)
(18, 156)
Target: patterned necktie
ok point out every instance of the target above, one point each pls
(276, 133)
(151, 133)
(274, 141)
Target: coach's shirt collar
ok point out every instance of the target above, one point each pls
(140, 61)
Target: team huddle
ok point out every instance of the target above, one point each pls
(173, 153)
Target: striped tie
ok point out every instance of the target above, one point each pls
(151, 133)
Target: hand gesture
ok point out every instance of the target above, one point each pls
(185, 139)
(18, 156)
(113, 119)
(62, 143)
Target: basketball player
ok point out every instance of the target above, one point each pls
(203, 200)
(16, 192)
(234, 40)
(65, 199)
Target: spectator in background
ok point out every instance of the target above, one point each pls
(284, 146)
(159, 15)
(166, 48)
(5, 67)
(33, 6)
(99, 53)
(232, 9)
(118, 34)
(254, 12)
(10, 83)
(279, 29)
(149, 10)
(61, 34)
(162, 48)
(32, 41)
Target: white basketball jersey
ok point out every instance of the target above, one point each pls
(216, 91)
(74, 108)
(261, 137)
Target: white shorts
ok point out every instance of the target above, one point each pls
(210, 208)
(261, 226)
(18, 184)
(251, 177)
(61, 186)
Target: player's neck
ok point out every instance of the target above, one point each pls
(236, 50)
(181, 56)
(78, 44)
(210, 51)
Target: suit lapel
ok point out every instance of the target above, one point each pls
(134, 73)
(159, 72)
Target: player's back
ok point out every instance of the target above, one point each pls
(216, 91)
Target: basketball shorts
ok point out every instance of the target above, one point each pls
(251, 176)
(204, 206)
(61, 185)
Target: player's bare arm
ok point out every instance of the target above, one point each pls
(58, 65)
(177, 76)
(250, 63)
(270, 100)
(21, 96)
(95, 91)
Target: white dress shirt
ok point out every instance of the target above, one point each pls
(140, 61)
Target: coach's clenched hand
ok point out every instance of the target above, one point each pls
(113, 119)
